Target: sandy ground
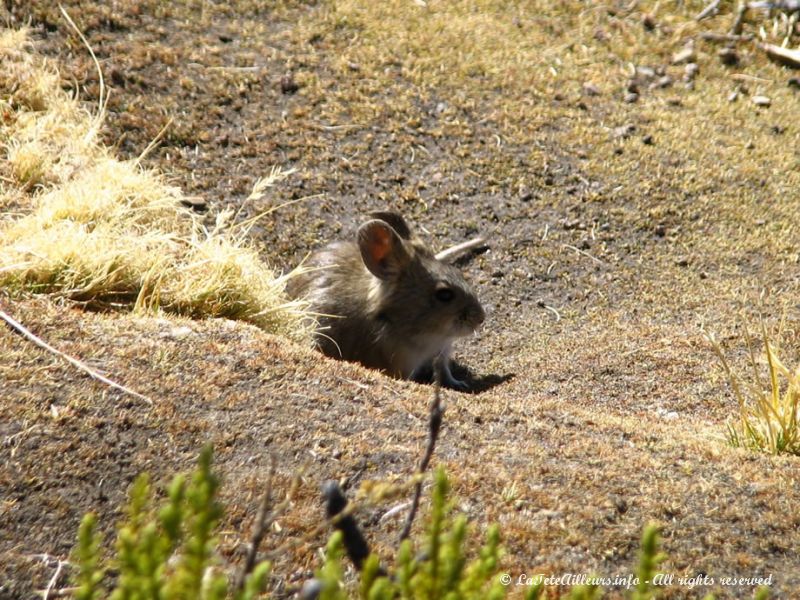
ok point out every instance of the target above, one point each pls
(601, 407)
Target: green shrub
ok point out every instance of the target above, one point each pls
(440, 571)
(169, 554)
(166, 554)
(443, 572)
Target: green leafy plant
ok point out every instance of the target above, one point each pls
(649, 559)
(442, 570)
(166, 553)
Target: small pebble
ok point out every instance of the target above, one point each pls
(762, 101)
(690, 71)
(663, 82)
(648, 140)
(684, 56)
(624, 131)
(591, 89)
(734, 96)
(645, 72)
(631, 98)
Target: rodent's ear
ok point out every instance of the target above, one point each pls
(394, 219)
(382, 250)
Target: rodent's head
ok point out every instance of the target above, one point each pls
(417, 294)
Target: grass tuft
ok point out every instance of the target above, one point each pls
(768, 407)
(110, 233)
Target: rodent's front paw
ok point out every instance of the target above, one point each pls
(455, 384)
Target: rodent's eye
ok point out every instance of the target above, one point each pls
(445, 294)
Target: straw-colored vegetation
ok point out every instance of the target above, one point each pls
(768, 407)
(86, 226)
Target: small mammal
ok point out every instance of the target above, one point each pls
(386, 301)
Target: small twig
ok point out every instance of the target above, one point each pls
(154, 142)
(102, 100)
(551, 309)
(54, 579)
(394, 510)
(746, 77)
(738, 21)
(19, 328)
(434, 425)
(709, 10)
(586, 254)
(712, 36)
(264, 520)
(784, 56)
(461, 248)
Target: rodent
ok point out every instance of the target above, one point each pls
(386, 301)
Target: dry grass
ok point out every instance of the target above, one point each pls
(570, 462)
(109, 233)
(768, 407)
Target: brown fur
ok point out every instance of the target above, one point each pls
(379, 300)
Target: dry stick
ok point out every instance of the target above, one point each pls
(102, 100)
(738, 21)
(278, 510)
(434, 425)
(711, 36)
(154, 142)
(19, 328)
(54, 579)
(461, 248)
(586, 254)
(784, 56)
(263, 522)
(708, 10)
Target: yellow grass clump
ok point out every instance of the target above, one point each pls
(83, 225)
(767, 419)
